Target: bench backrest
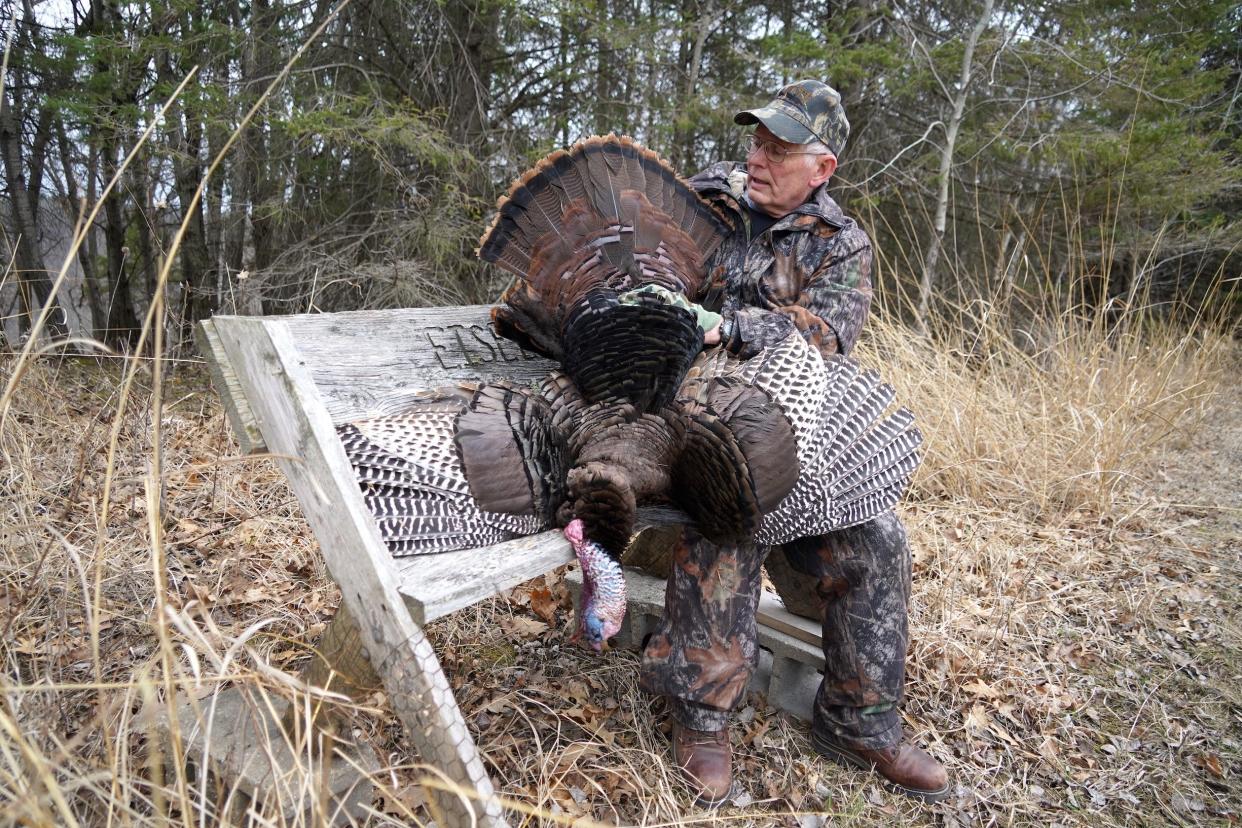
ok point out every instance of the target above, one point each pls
(364, 363)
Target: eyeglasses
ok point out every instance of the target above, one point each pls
(775, 153)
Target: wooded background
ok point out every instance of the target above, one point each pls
(1033, 155)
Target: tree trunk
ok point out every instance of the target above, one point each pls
(33, 280)
(121, 327)
(699, 30)
(262, 62)
(473, 48)
(76, 209)
(196, 270)
(931, 257)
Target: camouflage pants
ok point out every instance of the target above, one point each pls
(856, 582)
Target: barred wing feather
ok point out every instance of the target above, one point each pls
(821, 419)
(857, 462)
(415, 470)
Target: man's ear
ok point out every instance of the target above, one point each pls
(825, 166)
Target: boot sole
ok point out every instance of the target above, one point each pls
(847, 758)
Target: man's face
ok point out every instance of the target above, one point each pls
(777, 189)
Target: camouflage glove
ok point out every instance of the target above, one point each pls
(706, 319)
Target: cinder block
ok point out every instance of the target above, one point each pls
(793, 686)
(236, 737)
(762, 677)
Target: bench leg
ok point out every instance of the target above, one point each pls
(424, 701)
(422, 698)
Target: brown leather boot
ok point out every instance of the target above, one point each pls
(706, 760)
(906, 768)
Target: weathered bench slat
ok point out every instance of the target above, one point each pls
(361, 360)
(365, 363)
(228, 386)
(435, 585)
(772, 614)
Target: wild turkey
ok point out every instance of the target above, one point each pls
(606, 243)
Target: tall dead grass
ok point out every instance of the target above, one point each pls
(1053, 424)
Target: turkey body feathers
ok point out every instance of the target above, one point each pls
(638, 351)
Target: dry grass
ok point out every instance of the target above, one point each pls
(1075, 656)
(1047, 431)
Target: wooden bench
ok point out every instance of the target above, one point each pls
(285, 383)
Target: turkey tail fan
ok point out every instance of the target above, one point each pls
(531, 209)
(456, 472)
(607, 214)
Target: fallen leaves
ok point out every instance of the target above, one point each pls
(1209, 762)
(977, 720)
(544, 604)
(523, 628)
(981, 689)
(548, 597)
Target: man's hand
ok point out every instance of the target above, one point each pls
(712, 337)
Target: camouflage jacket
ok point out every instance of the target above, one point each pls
(811, 270)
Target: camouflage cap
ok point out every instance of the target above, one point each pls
(803, 112)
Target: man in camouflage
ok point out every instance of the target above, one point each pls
(794, 262)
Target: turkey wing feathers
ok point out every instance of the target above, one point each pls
(738, 439)
(842, 461)
(511, 453)
(711, 481)
(451, 474)
(856, 462)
